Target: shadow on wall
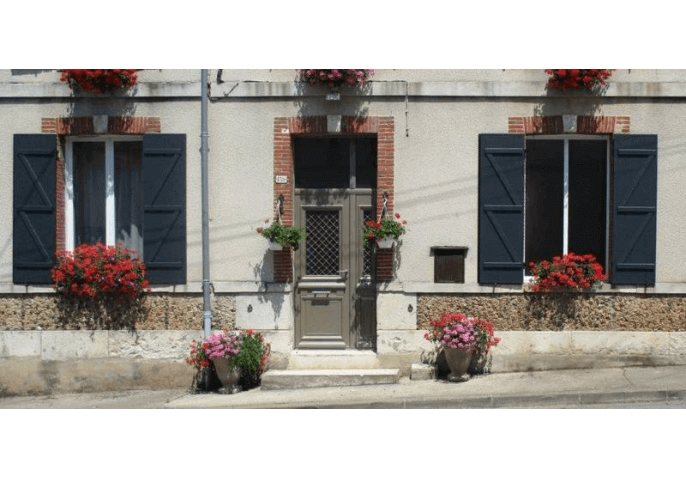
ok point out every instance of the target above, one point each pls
(89, 104)
(577, 102)
(276, 299)
(75, 313)
(311, 100)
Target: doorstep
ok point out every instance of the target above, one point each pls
(295, 379)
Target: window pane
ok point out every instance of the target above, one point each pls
(89, 192)
(322, 162)
(544, 199)
(365, 162)
(587, 197)
(128, 194)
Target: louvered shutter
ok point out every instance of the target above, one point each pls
(635, 209)
(164, 210)
(501, 208)
(33, 235)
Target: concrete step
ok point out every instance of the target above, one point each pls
(332, 360)
(295, 379)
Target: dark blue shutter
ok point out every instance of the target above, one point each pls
(635, 208)
(164, 209)
(33, 232)
(501, 208)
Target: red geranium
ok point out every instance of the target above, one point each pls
(100, 81)
(96, 269)
(568, 272)
(571, 79)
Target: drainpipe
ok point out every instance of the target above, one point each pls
(207, 308)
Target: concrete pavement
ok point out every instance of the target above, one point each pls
(550, 389)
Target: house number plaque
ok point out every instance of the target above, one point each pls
(281, 179)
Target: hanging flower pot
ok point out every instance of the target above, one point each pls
(282, 237)
(384, 232)
(386, 243)
(274, 246)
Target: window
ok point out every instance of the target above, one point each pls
(128, 189)
(335, 162)
(580, 194)
(566, 198)
(103, 187)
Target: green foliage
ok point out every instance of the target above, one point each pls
(250, 355)
(287, 237)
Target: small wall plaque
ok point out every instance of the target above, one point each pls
(281, 179)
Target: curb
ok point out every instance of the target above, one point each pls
(489, 402)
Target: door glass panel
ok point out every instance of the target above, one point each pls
(322, 163)
(89, 192)
(544, 199)
(129, 194)
(322, 243)
(587, 197)
(365, 162)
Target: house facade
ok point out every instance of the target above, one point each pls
(490, 168)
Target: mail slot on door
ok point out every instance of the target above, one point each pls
(320, 292)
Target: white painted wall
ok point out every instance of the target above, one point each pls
(436, 153)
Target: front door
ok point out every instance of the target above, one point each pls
(335, 295)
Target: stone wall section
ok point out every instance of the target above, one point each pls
(561, 312)
(158, 312)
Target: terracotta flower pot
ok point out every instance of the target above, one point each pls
(458, 361)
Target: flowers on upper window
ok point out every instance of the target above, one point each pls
(569, 79)
(335, 78)
(100, 81)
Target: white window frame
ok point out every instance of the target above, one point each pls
(565, 200)
(110, 200)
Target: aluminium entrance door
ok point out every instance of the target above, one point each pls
(335, 295)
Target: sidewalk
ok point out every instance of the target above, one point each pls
(550, 389)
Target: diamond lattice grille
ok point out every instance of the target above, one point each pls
(322, 250)
(367, 252)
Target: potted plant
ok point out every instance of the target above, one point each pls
(462, 339)
(574, 79)
(282, 237)
(567, 272)
(100, 81)
(385, 232)
(234, 355)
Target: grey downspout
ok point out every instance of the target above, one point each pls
(207, 307)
